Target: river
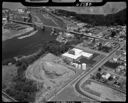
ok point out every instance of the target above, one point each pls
(17, 47)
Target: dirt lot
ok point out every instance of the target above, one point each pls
(8, 72)
(8, 34)
(105, 93)
(69, 94)
(46, 70)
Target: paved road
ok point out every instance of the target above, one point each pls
(87, 75)
(78, 79)
(84, 74)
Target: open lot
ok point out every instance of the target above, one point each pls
(72, 96)
(12, 30)
(8, 72)
(102, 92)
(48, 72)
(46, 20)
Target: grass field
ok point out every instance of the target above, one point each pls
(46, 20)
(8, 33)
(102, 92)
(68, 94)
(8, 72)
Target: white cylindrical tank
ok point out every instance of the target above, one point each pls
(83, 66)
(79, 66)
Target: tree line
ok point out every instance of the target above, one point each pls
(23, 89)
(118, 18)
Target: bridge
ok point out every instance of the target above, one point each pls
(36, 25)
(21, 22)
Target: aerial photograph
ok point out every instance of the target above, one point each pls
(63, 53)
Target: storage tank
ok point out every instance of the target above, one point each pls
(83, 66)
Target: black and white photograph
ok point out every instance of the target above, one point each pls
(64, 53)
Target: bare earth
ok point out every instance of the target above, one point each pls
(49, 73)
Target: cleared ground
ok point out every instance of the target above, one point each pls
(8, 72)
(72, 96)
(49, 73)
(8, 33)
(101, 92)
(46, 21)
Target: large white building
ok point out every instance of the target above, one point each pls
(76, 53)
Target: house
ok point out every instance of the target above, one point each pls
(106, 76)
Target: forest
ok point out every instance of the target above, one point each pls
(118, 18)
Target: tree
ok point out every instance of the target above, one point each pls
(110, 78)
(98, 75)
(99, 69)
(113, 33)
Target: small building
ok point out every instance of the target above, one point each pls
(115, 59)
(106, 76)
(80, 24)
(83, 66)
(20, 10)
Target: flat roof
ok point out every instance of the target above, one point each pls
(85, 54)
(78, 53)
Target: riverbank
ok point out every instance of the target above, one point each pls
(9, 34)
(17, 47)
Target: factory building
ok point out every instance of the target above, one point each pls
(74, 55)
